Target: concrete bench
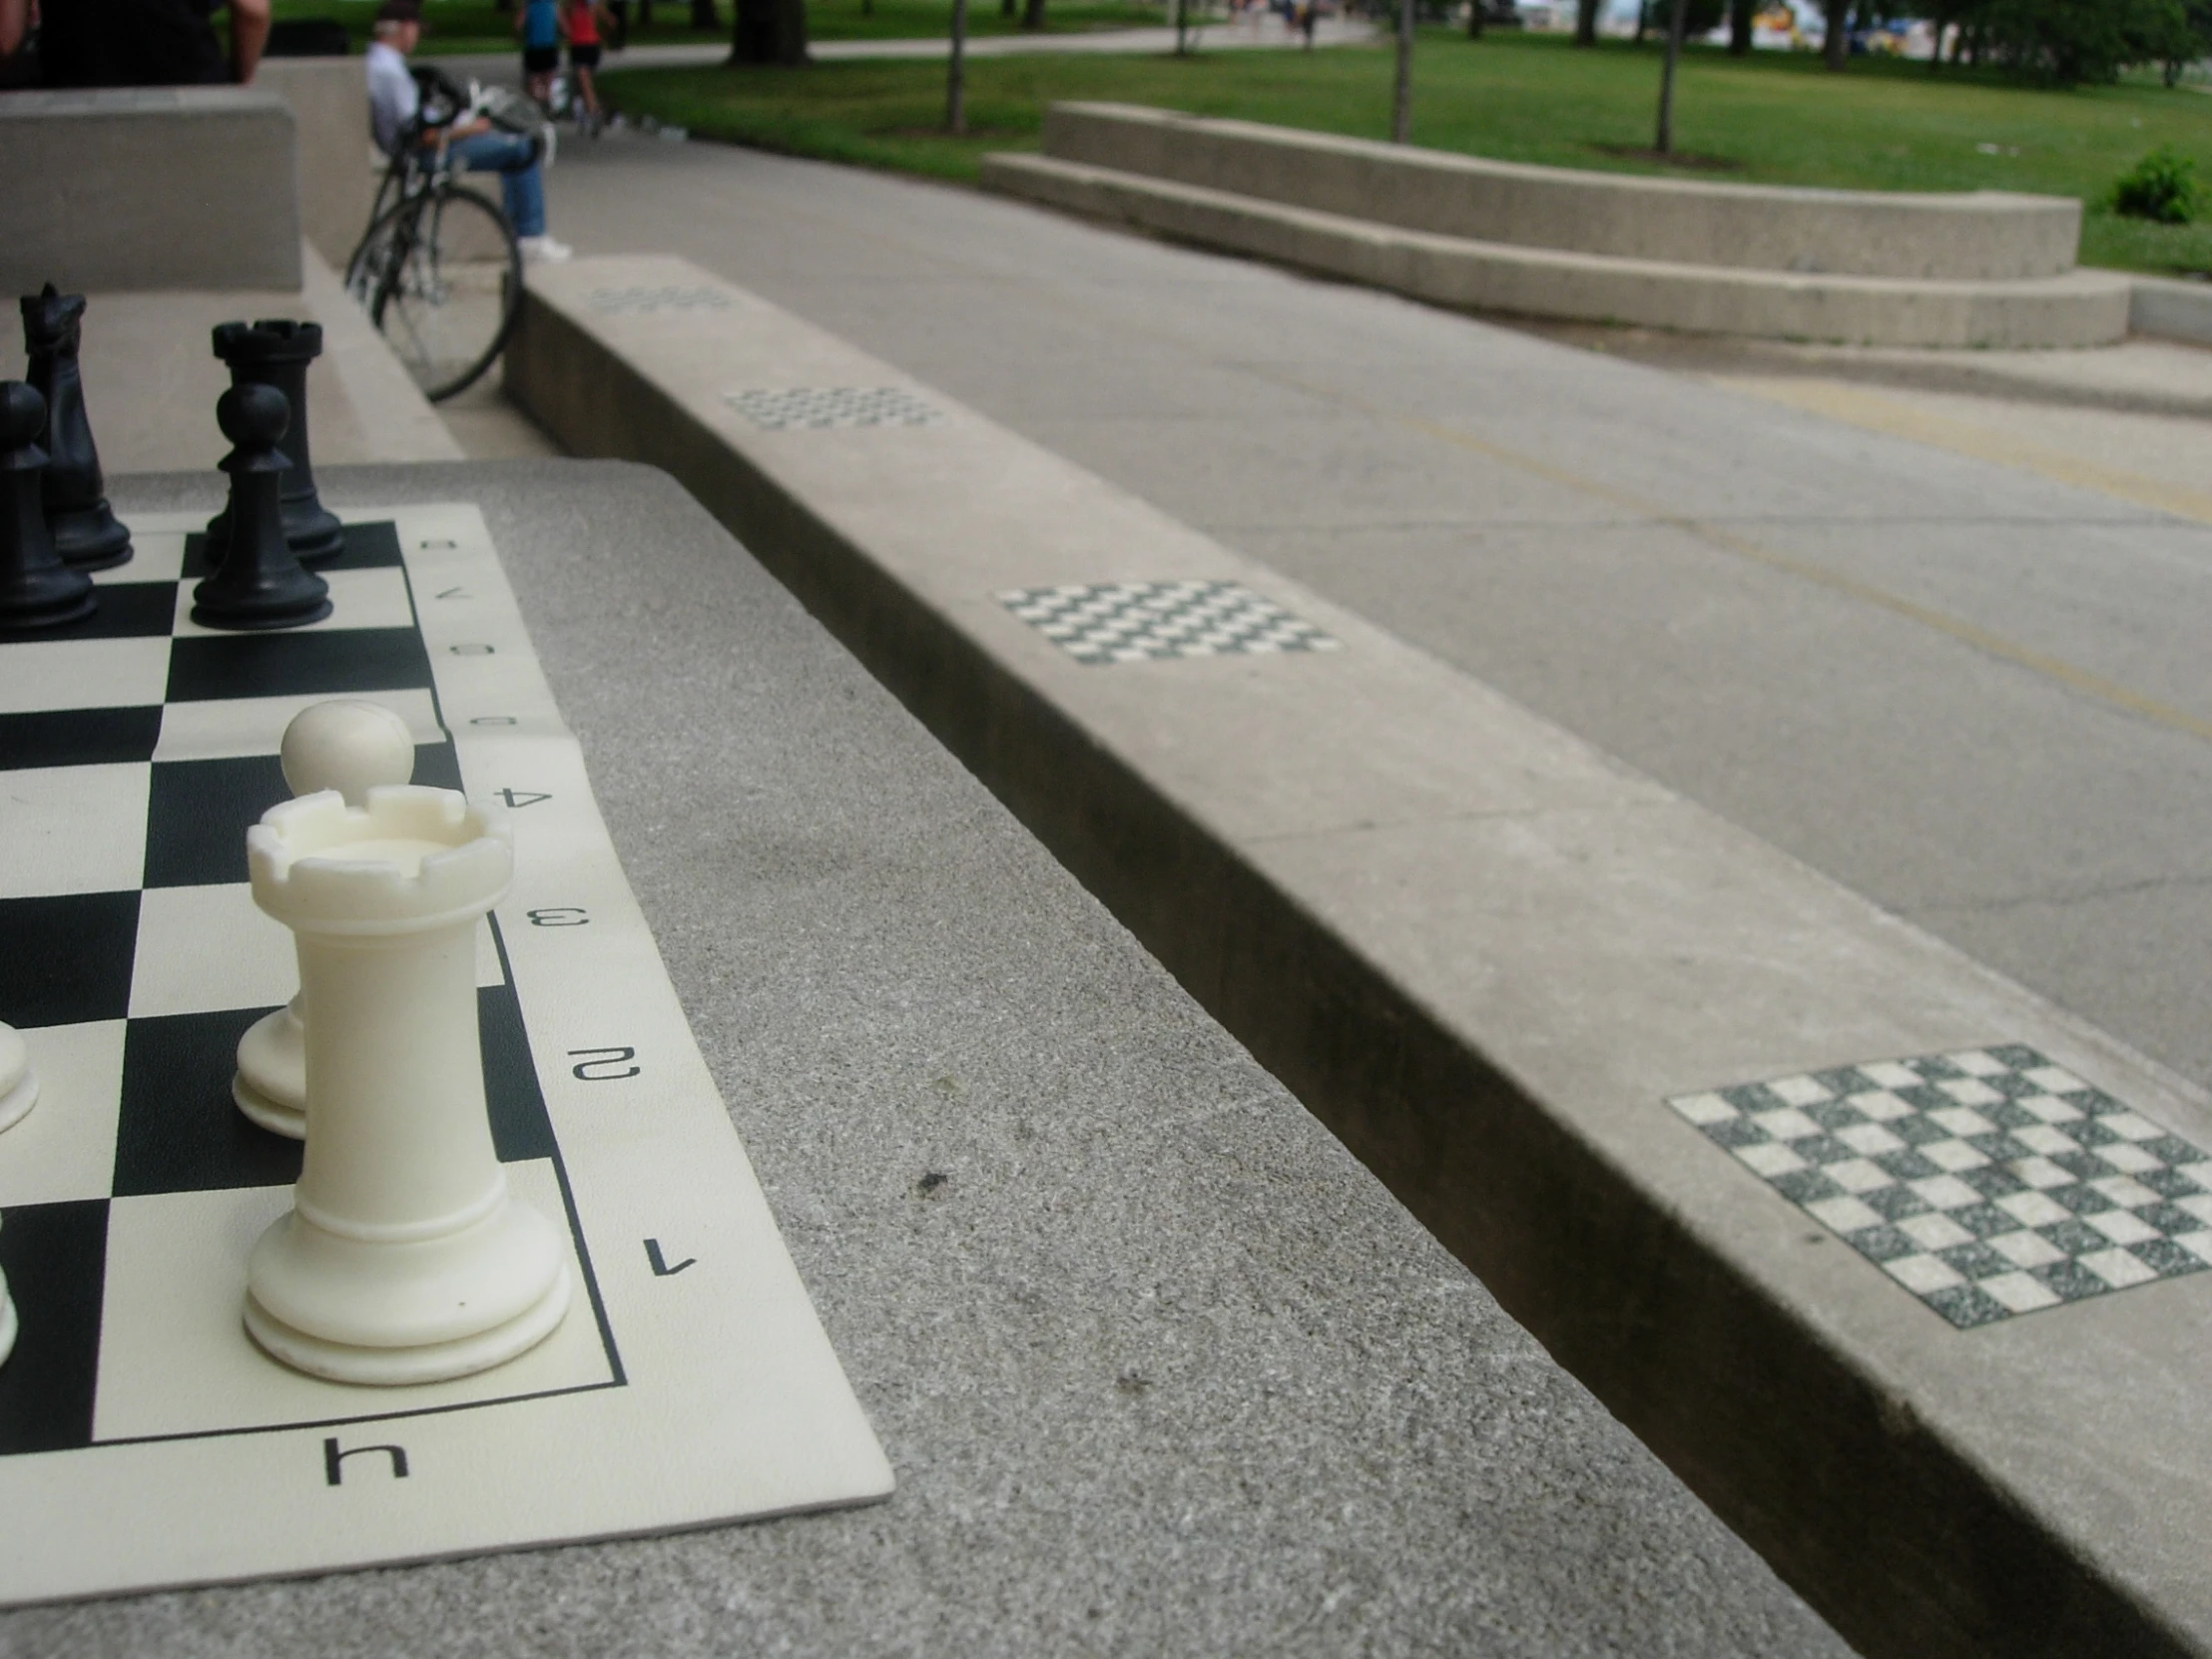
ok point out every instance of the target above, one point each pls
(1488, 957)
(1859, 267)
(137, 187)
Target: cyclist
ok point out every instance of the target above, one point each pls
(395, 102)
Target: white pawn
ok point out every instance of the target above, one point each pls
(404, 1259)
(18, 1082)
(7, 1322)
(351, 747)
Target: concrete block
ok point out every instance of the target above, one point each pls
(328, 99)
(136, 188)
(2078, 308)
(2177, 311)
(1982, 235)
(1487, 973)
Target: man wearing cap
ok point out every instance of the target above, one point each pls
(394, 101)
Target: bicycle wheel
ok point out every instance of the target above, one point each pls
(441, 278)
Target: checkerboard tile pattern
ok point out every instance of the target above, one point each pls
(1133, 622)
(645, 301)
(812, 409)
(1989, 1182)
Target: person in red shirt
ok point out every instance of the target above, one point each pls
(580, 20)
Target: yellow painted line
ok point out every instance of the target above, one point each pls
(2078, 680)
(1857, 407)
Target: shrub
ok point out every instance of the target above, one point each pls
(2161, 186)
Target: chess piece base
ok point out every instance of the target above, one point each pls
(89, 538)
(294, 615)
(428, 1288)
(64, 603)
(271, 1114)
(271, 1087)
(18, 1083)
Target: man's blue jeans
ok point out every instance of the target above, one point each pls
(515, 160)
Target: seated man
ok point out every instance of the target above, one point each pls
(394, 101)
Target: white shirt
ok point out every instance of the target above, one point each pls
(393, 100)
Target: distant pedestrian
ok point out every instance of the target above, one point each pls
(580, 21)
(538, 22)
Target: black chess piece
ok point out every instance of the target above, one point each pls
(277, 353)
(260, 582)
(85, 531)
(37, 590)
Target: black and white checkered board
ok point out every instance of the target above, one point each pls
(143, 1440)
(1132, 622)
(1987, 1182)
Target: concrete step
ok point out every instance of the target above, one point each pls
(1515, 978)
(2076, 309)
(1951, 235)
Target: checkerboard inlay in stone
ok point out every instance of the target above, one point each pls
(1130, 622)
(1987, 1182)
(811, 408)
(645, 301)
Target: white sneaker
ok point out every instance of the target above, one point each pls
(543, 250)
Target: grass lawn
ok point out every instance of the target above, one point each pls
(474, 26)
(1776, 117)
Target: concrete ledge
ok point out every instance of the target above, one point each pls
(1982, 235)
(1484, 954)
(2176, 310)
(329, 98)
(2081, 307)
(147, 187)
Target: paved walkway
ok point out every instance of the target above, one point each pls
(1260, 33)
(1970, 690)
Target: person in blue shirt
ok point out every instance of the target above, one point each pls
(539, 25)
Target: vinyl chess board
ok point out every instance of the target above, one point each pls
(144, 1441)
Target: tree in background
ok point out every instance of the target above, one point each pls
(1586, 22)
(1740, 16)
(2067, 42)
(769, 30)
(1402, 86)
(702, 15)
(1837, 48)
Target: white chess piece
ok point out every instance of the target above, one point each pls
(8, 1325)
(351, 747)
(18, 1082)
(403, 1260)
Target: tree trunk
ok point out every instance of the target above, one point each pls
(1837, 52)
(1586, 22)
(645, 13)
(1474, 19)
(955, 75)
(1402, 90)
(766, 31)
(1739, 27)
(702, 15)
(1676, 22)
(1032, 14)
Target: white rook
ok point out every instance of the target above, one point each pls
(351, 747)
(403, 1260)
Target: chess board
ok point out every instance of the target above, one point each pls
(143, 1440)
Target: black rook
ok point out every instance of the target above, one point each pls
(260, 583)
(278, 354)
(85, 533)
(36, 589)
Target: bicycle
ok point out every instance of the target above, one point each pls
(440, 270)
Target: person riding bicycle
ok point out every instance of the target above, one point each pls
(395, 119)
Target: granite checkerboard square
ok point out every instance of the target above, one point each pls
(1129, 622)
(1987, 1182)
(816, 409)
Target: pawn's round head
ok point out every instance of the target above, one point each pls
(253, 416)
(349, 745)
(22, 414)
